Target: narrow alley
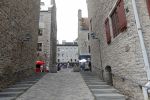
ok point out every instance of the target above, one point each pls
(74, 49)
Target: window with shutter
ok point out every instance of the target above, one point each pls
(148, 5)
(118, 18)
(121, 16)
(115, 25)
(107, 28)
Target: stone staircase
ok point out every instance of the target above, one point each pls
(12, 92)
(100, 89)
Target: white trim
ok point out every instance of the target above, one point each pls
(114, 6)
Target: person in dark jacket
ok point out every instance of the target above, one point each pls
(90, 66)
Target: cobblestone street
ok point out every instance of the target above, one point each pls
(64, 85)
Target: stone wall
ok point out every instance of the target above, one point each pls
(124, 54)
(18, 19)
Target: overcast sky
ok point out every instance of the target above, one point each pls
(67, 17)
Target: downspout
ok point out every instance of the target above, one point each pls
(144, 52)
(101, 59)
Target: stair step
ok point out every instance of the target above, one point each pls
(6, 98)
(104, 91)
(22, 85)
(93, 81)
(90, 77)
(110, 99)
(9, 94)
(27, 82)
(100, 87)
(112, 96)
(99, 83)
(14, 89)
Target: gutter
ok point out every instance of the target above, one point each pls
(144, 52)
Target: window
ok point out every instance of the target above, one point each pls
(118, 18)
(39, 47)
(115, 27)
(58, 49)
(58, 60)
(91, 24)
(58, 55)
(84, 24)
(41, 18)
(40, 32)
(121, 16)
(107, 28)
(148, 6)
(89, 49)
(88, 36)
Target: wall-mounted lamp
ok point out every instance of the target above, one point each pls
(25, 38)
(93, 35)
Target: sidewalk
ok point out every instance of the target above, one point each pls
(64, 85)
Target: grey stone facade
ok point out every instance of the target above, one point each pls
(44, 36)
(123, 54)
(18, 39)
(83, 35)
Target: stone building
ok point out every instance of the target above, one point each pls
(67, 53)
(43, 49)
(120, 52)
(53, 38)
(18, 39)
(83, 36)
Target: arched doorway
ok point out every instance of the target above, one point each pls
(108, 75)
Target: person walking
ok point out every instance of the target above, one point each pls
(58, 67)
(68, 64)
(82, 66)
(90, 67)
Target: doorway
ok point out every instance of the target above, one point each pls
(108, 75)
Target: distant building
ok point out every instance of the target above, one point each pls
(83, 36)
(43, 46)
(63, 41)
(67, 52)
(57, 42)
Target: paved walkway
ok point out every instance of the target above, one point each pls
(64, 85)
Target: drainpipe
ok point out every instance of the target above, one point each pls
(101, 59)
(144, 52)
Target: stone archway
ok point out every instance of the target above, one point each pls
(108, 75)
